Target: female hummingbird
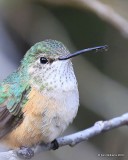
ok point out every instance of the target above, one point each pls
(39, 99)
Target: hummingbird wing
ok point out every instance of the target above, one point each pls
(12, 98)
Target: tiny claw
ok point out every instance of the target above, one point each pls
(25, 153)
(55, 144)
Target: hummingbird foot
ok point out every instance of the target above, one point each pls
(55, 144)
(25, 153)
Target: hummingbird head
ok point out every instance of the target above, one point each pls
(48, 64)
(46, 71)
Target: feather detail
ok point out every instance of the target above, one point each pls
(13, 96)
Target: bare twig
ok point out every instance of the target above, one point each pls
(75, 138)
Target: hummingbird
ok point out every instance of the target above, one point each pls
(40, 99)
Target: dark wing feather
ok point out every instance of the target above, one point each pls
(8, 121)
(5, 121)
(13, 96)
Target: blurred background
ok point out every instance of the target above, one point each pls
(102, 77)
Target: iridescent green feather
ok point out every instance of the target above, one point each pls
(13, 92)
(51, 47)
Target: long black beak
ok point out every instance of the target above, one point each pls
(99, 48)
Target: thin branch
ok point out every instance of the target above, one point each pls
(73, 139)
(99, 127)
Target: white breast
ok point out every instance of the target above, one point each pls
(58, 84)
(56, 118)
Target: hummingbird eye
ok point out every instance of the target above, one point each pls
(43, 60)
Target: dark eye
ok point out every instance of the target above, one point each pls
(43, 60)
